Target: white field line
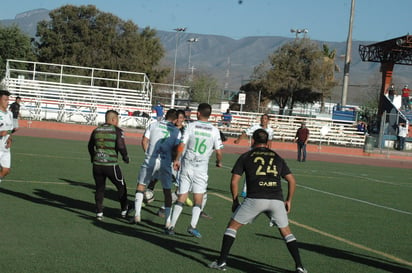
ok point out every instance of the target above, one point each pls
(386, 255)
(389, 256)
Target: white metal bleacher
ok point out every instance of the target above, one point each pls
(77, 94)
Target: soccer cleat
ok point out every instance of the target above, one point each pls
(135, 220)
(301, 270)
(189, 202)
(161, 212)
(169, 231)
(215, 265)
(205, 215)
(194, 232)
(124, 213)
(99, 216)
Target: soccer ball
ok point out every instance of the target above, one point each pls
(149, 196)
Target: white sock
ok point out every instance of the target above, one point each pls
(195, 216)
(138, 203)
(177, 210)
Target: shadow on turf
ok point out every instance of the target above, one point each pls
(148, 231)
(370, 261)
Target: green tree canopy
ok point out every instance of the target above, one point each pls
(14, 45)
(204, 88)
(295, 72)
(85, 36)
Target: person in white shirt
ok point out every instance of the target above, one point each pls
(6, 129)
(199, 141)
(158, 143)
(402, 134)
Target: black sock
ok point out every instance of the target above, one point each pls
(294, 251)
(226, 245)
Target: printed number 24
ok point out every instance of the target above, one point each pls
(269, 169)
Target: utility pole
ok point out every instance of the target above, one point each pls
(348, 57)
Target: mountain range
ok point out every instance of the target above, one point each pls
(231, 61)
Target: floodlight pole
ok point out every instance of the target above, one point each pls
(348, 57)
(178, 30)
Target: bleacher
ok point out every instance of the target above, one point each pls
(324, 131)
(77, 94)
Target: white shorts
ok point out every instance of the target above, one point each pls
(156, 169)
(251, 208)
(193, 177)
(5, 159)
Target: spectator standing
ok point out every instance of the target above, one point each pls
(264, 169)
(405, 97)
(6, 129)
(159, 111)
(402, 133)
(302, 137)
(199, 141)
(105, 142)
(15, 109)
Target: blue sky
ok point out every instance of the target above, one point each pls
(326, 20)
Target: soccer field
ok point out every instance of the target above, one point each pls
(346, 218)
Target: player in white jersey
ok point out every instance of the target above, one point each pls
(6, 129)
(158, 142)
(198, 142)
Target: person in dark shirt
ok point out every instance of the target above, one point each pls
(264, 170)
(105, 142)
(302, 137)
(15, 109)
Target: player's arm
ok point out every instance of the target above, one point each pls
(242, 136)
(234, 189)
(90, 146)
(179, 151)
(145, 143)
(291, 191)
(121, 145)
(219, 156)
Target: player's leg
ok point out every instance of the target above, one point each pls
(182, 192)
(304, 152)
(143, 179)
(5, 164)
(299, 150)
(100, 184)
(116, 177)
(280, 218)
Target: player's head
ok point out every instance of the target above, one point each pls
(112, 117)
(264, 120)
(180, 118)
(4, 99)
(171, 115)
(204, 110)
(18, 99)
(260, 136)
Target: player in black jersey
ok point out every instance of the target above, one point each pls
(105, 143)
(264, 170)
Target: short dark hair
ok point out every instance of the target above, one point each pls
(110, 113)
(171, 114)
(181, 112)
(4, 93)
(260, 136)
(204, 109)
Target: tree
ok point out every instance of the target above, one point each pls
(204, 88)
(14, 45)
(291, 74)
(327, 79)
(85, 36)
